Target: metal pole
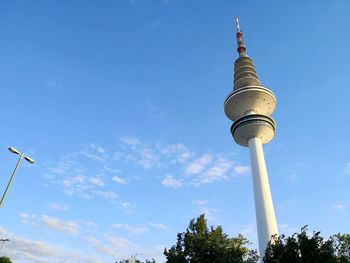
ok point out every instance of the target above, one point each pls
(13, 175)
(3, 242)
(265, 214)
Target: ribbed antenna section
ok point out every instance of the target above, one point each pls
(245, 73)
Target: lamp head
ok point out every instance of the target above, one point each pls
(30, 160)
(14, 150)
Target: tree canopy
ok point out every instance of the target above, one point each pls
(202, 245)
(302, 248)
(5, 260)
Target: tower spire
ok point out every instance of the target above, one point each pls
(239, 35)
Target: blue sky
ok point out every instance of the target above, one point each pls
(121, 105)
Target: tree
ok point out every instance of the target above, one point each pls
(202, 245)
(5, 260)
(342, 247)
(301, 248)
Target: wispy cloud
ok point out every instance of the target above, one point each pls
(202, 207)
(59, 207)
(65, 226)
(114, 246)
(137, 152)
(242, 170)
(117, 247)
(53, 85)
(27, 250)
(178, 153)
(69, 227)
(119, 180)
(216, 172)
(169, 181)
(95, 153)
(159, 226)
(198, 165)
(128, 207)
(96, 181)
(199, 202)
(338, 207)
(86, 173)
(347, 168)
(83, 173)
(156, 24)
(131, 229)
(294, 170)
(109, 195)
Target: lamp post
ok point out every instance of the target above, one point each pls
(21, 156)
(3, 241)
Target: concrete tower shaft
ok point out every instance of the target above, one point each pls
(250, 106)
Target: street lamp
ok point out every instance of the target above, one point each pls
(3, 241)
(21, 156)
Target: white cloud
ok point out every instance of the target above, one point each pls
(294, 170)
(98, 148)
(137, 152)
(21, 249)
(156, 24)
(60, 225)
(119, 180)
(339, 207)
(132, 141)
(128, 207)
(29, 219)
(178, 153)
(125, 205)
(248, 230)
(64, 226)
(114, 247)
(199, 202)
(147, 158)
(199, 164)
(159, 226)
(202, 208)
(95, 153)
(216, 172)
(105, 194)
(108, 169)
(242, 169)
(87, 177)
(80, 177)
(169, 181)
(131, 229)
(347, 168)
(96, 181)
(59, 206)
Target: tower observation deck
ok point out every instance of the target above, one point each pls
(250, 106)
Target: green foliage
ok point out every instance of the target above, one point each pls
(301, 248)
(5, 260)
(202, 245)
(342, 247)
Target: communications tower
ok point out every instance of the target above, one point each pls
(250, 106)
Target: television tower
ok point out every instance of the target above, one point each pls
(250, 106)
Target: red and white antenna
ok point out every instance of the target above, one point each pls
(237, 24)
(241, 48)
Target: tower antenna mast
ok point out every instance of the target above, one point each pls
(239, 35)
